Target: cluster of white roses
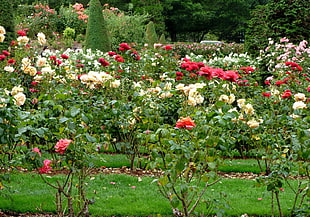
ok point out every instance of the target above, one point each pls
(299, 101)
(191, 91)
(93, 79)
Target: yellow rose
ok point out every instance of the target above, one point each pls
(20, 98)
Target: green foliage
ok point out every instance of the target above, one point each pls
(44, 19)
(74, 18)
(150, 34)
(69, 33)
(125, 28)
(7, 21)
(97, 36)
(154, 9)
(278, 19)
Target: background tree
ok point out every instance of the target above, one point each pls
(7, 21)
(154, 9)
(278, 19)
(96, 33)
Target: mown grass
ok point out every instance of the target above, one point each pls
(115, 195)
(228, 165)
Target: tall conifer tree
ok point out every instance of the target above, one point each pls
(97, 36)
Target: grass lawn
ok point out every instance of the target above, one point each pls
(123, 195)
(228, 165)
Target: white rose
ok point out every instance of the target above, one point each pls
(9, 69)
(299, 105)
(41, 38)
(115, 83)
(300, 97)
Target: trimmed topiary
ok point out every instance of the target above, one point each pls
(162, 39)
(97, 36)
(150, 35)
(7, 21)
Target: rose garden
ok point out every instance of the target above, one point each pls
(153, 128)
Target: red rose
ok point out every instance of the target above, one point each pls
(286, 94)
(266, 94)
(186, 123)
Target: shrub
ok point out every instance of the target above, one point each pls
(43, 20)
(96, 33)
(74, 17)
(278, 19)
(124, 28)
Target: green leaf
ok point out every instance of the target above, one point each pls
(61, 96)
(174, 201)
(58, 107)
(22, 130)
(74, 111)
(90, 138)
(163, 180)
(63, 120)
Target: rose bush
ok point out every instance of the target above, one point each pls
(183, 112)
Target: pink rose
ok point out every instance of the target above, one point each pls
(62, 145)
(37, 150)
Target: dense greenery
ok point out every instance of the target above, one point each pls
(278, 19)
(194, 20)
(7, 21)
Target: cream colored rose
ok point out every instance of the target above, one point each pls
(168, 86)
(48, 70)
(227, 99)
(23, 39)
(299, 105)
(248, 109)
(240, 102)
(9, 69)
(38, 78)
(30, 70)
(300, 97)
(2, 30)
(115, 83)
(165, 95)
(253, 123)
(2, 37)
(2, 102)
(41, 38)
(41, 61)
(199, 85)
(274, 92)
(180, 86)
(17, 89)
(20, 98)
(224, 98)
(136, 84)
